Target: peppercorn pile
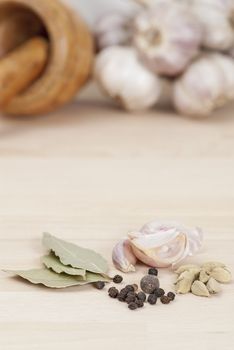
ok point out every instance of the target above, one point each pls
(136, 297)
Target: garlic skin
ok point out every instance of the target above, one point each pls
(206, 85)
(216, 18)
(159, 244)
(167, 36)
(112, 29)
(120, 74)
(123, 257)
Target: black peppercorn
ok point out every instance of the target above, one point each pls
(124, 292)
(159, 292)
(117, 279)
(99, 285)
(139, 303)
(132, 306)
(131, 297)
(113, 292)
(141, 296)
(149, 284)
(152, 299)
(165, 299)
(129, 288)
(153, 271)
(171, 295)
(121, 298)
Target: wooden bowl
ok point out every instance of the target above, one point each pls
(70, 51)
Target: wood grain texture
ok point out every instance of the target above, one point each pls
(90, 173)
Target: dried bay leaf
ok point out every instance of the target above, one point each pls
(51, 279)
(52, 262)
(75, 256)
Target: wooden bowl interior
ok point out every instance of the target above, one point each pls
(18, 23)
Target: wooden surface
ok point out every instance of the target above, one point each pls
(90, 173)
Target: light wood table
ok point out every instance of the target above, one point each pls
(89, 173)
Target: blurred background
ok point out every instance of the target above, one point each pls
(91, 10)
(91, 168)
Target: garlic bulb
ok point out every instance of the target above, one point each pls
(216, 17)
(113, 28)
(165, 244)
(120, 74)
(206, 85)
(231, 52)
(123, 257)
(167, 37)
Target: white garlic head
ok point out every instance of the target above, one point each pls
(207, 84)
(113, 28)
(167, 36)
(166, 244)
(216, 18)
(231, 52)
(123, 78)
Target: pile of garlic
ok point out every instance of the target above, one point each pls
(202, 281)
(190, 43)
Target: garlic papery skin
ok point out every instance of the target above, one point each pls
(122, 76)
(123, 257)
(112, 29)
(216, 19)
(206, 85)
(160, 244)
(167, 36)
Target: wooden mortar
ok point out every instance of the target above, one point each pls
(70, 53)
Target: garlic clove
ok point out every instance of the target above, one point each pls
(167, 36)
(123, 78)
(164, 244)
(215, 18)
(113, 28)
(205, 85)
(123, 257)
(226, 65)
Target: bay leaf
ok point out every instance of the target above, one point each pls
(52, 262)
(52, 279)
(75, 256)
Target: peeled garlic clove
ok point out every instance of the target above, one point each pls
(195, 99)
(113, 28)
(213, 286)
(185, 268)
(123, 257)
(221, 275)
(203, 276)
(167, 36)
(164, 244)
(215, 18)
(199, 288)
(184, 282)
(123, 78)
